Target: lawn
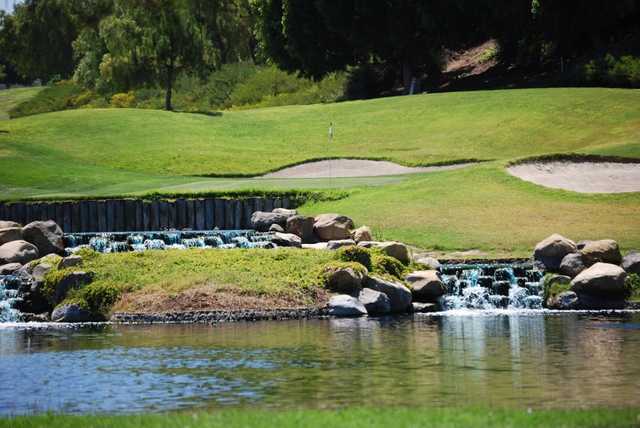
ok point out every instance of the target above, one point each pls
(365, 418)
(10, 98)
(84, 153)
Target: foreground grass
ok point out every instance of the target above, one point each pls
(347, 418)
(10, 98)
(210, 279)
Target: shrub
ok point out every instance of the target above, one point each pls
(123, 100)
(266, 82)
(386, 265)
(59, 96)
(75, 300)
(551, 289)
(51, 281)
(87, 254)
(356, 254)
(331, 267)
(100, 298)
(632, 283)
(609, 70)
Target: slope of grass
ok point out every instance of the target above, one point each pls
(365, 418)
(10, 98)
(415, 130)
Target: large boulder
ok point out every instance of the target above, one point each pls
(70, 280)
(316, 246)
(398, 294)
(631, 262)
(430, 263)
(40, 271)
(375, 302)
(603, 251)
(70, 312)
(286, 240)
(9, 224)
(286, 212)
(331, 227)
(565, 300)
(572, 264)
(362, 234)
(276, 228)
(344, 279)
(396, 250)
(303, 227)
(18, 252)
(426, 286)
(46, 235)
(262, 221)
(552, 250)
(10, 268)
(346, 306)
(334, 245)
(10, 234)
(601, 280)
(73, 260)
(424, 308)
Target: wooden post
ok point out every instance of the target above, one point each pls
(200, 214)
(181, 213)
(146, 215)
(163, 223)
(93, 216)
(268, 205)
(228, 214)
(171, 215)
(111, 221)
(209, 216)
(66, 221)
(219, 213)
(154, 217)
(247, 211)
(102, 216)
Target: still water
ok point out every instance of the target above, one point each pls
(507, 359)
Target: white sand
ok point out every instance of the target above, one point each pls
(584, 177)
(338, 168)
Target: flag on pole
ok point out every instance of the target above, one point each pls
(331, 130)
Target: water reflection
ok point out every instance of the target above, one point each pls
(507, 360)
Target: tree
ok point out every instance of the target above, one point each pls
(161, 36)
(38, 38)
(3, 75)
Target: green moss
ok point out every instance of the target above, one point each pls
(51, 281)
(75, 300)
(333, 266)
(100, 297)
(387, 265)
(552, 287)
(87, 254)
(355, 254)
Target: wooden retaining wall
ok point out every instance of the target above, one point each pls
(123, 215)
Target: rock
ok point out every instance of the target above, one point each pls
(334, 245)
(346, 306)
(581, 244)
(301, 226)
(317, 246)
(565, 300)
(631, 262)
(262, 221)
(362, 234)
(396, 250)
(423, 308)
(70, 313)
(331, 227)
(552, 279)
(426, 286)
(9, 224)
(552, 250)
(593, 302)
(369, 244)
(69, 281)
(285, 212)
(46, 235)
(286, 240)
(70, 261)
(10, 234)
(276, 228)
(40, 271)
(18, 252)
(29, 317)
(572, 264)
(375, 303)
(601, 280)
(398, 294)
(10, 268)
(344, 280)
(603, 251)
(429, 262)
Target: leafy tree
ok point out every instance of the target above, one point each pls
(3, 75)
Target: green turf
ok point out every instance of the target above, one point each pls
(84, 153)
(365, 418)
(9, 98)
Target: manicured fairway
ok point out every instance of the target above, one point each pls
(86, 153)
(364, 418)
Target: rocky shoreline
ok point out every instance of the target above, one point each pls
(219, 316)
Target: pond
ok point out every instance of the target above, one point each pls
(515, 359)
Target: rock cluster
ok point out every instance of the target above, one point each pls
(593, 273)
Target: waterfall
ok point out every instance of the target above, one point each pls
(9, 285)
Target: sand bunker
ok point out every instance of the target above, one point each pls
(584, 177)
(338, 168)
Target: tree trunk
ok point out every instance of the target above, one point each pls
(169, 92)
(407, 77)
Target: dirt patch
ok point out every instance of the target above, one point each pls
(341, 168)
(583, 177)
(209, 299)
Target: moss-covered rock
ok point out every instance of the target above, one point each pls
(355, 254)
(553, 285)
(344, 277)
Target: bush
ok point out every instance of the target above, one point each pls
(266, 82)
(632, 283)
(355, 254)
(551, 289)
(331, 267)
(100, 298)
(386, 265)
(60, 96)
(623, 71)
(123, 100)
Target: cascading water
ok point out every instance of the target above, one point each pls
(9, 285)
(492, 286)
(142, 241)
